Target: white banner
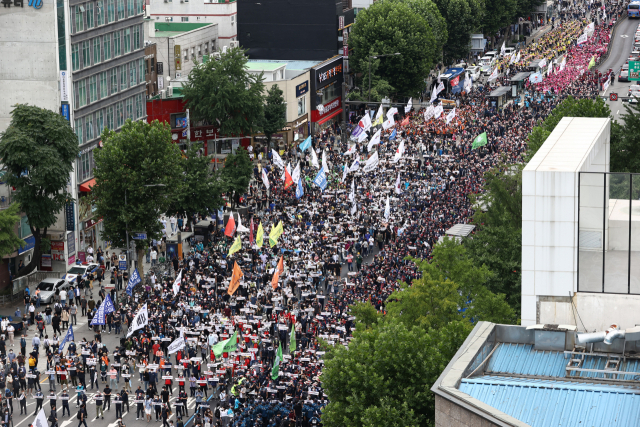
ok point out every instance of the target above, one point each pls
(277, 160)
(391, 112)
(177, 345)
(408, 107)
(372, 163)
(139, 321)
(437, 111)
(265, 178)
(375, 140)
(41, 419)
(178, 282)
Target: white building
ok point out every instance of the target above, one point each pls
(221, 12)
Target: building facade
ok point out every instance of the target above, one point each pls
(327, 79)
(151, 68)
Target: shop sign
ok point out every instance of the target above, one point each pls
(340, 22)
(331, 72)
(159, 67)
(92, 222)
(30, 243)
(71, 219)
(65, 110)
(72, 260)
(64, 86)
(302, 88)
(71, 243)
(46, 260)
(331, 106)
(177, 53)
(122, 262)
(36, 4)
(57, 250)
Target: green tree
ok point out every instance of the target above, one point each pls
(497, 14)
(275, 112)
(201, 188)
(380, 88)
(9, 241)
(38, 150)
(142, 164)
(222, 92)
(387, 27)
(428, 10)
(365, 313)
(461, 17)
(625, 141)
(236, 174)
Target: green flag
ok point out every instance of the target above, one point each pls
(479, 141)
(292, 339)
(226, 346)
(275, 371)
(592, 63)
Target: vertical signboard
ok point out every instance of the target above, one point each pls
(177, 53)
(70, 214)
(64, 86)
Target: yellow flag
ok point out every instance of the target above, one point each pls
(237, 245)
(259, 235)
(592, 63)
(275, 233)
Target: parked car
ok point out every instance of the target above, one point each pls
(81, 271)
(49, 287)
(474, 73)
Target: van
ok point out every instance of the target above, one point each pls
(492, 54)
(508, 52)
(486, 64)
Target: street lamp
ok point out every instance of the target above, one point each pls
(376, 57)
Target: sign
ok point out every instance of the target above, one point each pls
(328, 108)
(71, 243)
(345, 51)
(302, 88)
(30, 243)
(160, 82)
(159, 68)
(72, 260)
(91, 222)
(64, 86)
(57, 250)
(46, 260)
(65, 111)
(122, 262)
(177, 53)
(345, 37)
(71, 218)
(455, 81)
(36, 4)
(634, 70)
(613, 96)
(331, 72)
(340, 22)
(139, 236)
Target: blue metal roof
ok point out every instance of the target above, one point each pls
(543, 403)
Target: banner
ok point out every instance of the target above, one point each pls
(139, 321)
(133, 281)
(355, 165)
(357, 130)
(277, 160)
(305, 144)
(299, 189)
(437, 111)
(175, 346)
(480, 141)
(235, 279)
(265, 178)
(275, 371)
(542, 63)
(372, 162)
(391, 112)
(375, 140)
(178, 282)
(387, 210)
(41, 419)
(292, 339)
(440, 88)
(68, 337)
(105, 308)
(451, 115)
(389, 123)
(321, 180)
(494, 74)
(227, 346)
(582, 39)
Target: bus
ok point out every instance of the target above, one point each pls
(453, 80)
(633, 10)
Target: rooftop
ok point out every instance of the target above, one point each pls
(291, 64)
(265, 66)
(172, 29)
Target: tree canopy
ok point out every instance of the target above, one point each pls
(275, 112)
(461, 16)
(237, 174)
(625, 141)
(38, 150)
(9, 241)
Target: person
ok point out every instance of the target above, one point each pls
(82, 415)
(64, 397)
(118, 402)
(99, 399)
(22, 399)
(148, 407)
(52, 417)
(39, 399)
(139, 403)
(10, 332)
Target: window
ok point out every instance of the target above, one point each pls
(78, 129)
(104, 88)
(89, 7)
(206, 48)
(99, 123)
(109, 117)
(107, 47)
(139, 6)
(96, 50)
(86, 54)
(140, 67)
(213, 46)
(123, 77)
(116, 44)
(199, 50)
(140, 106)
(129, 104)
(111, 11)
(85, 166)
(82, 93)
(88, 125)
(127, 40)
(113, 82)
(133, 70)
(119, 115)
(186, 55)
(79, 18)
(136, 37)
(302, 105)
(130, 8)
(120, 9)
(99, 13)
(75, 57)
(93, 90)
(185, 19)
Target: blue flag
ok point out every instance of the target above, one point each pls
(305, 144)
(105, 308)
(299, 189)
(393, 135)
(67, 337)
(133, 281)
(321, 179)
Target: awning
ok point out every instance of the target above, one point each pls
(86, 186)
(330, 116)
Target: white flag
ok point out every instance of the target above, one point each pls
(451, 115)
(379, 114)
(408, 107)
(324, 161)
(362, 137)
(605, 86)
(355, 165)
(437, 111)
(399, 152)
(372, 162)
(582, 39)
(503, 49)
(365, 123)
(178, 281)
(352, 195)
(375, 140)
(139, 321)
(351, 150)
(176, 345)
(513, 58)
(428, 113)
(353, 209)
(345, 171)
(387, 210)
(277, 160)
(41, 419)
(550, 69)
(295, 176)
(398, 189)
(468, 82)
(391, 112)
(563, 63)
(388, 123)
(434, 95)
(518, 58)
(542, 63)
(494, 74)
(283, 177)
(265, 178)
(241, 228)
(440, 88)
(314, 158)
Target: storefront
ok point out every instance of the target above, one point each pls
(326, 94)
(89, 227)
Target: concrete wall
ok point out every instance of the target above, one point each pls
(288, 88)
(449, 414)
(28, 59)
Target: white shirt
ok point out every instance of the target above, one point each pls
(154, 254)
(63, 295)
(90, 250)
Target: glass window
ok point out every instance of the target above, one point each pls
(133, 70)
(99, 123)
(75, 56)
(123, 77)
(130, 8)
(79, 18)
(185, 19)
(302, 105)
(119, 115)
(88, 125)
(139, 6)
(111, 11)
(82, 93)
(140, 66)
(127, 40)
(93, 89)
(99, 13)
(114, 82)
(109, 118)
(107, 47)
(78, 129)
(186, 55)
(116, 44)
(86, 54)
(120, 9)
(104, 88)
(140, 106)
(89, 11)
(96, 50)
(129, 104)
(136, 37)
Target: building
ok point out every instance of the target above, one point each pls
(300, 30)
(327, 94)
(224, 13)
(151, 69)
(179, 46)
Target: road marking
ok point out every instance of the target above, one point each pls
(617, 112)
(624, 36)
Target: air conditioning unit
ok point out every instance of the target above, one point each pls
(170, 92)
(233, 44)
(163, 94)
(178, 75)
(167, 19)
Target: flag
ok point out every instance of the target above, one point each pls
(241, 228)
(277, 272)
(237, 245)
(408, 107)
(345, 171)
(468, 82)
(355, 165)
(133, 281)
(176, 345)
(387, 210)
(605, 86)
(582, 39)
(389, 123)
(357, 130)
(393, 135)
(375, 140)
(351, 150)
(479, 141)
(321, 180)
(287, 169)
(440, 88)
(227, 346)
(68, 337)
(265, 178)
(494, 74)
(314, 158)
(434, 95)
(41, 419)
(305, 144)
(275, 371)
(398, 188)
(428, 113)
(275, 234)
(437, 111)
(391, 112)
(277, 160)
(592, 63)
(231, 226)
(550, 69)
(353, 208)
(178, 282)
(372, 162)
(352, 195)
(405, 121)
(563, 63)
(259, 235)
(105, 308)
(535, 78)
(399, 152)
(299, 189)
(451, 115)
(292, 339)
(235, 278)
(513, 58)
(379, 117)
(503, 49)
(288, 181)
(365, 123)
(251, 230)
(324, 161)
(518, 58)
(542, 63)
(140, 320)
(295, 175)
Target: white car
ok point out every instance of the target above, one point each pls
(49, 287)
(474, 73)
(486, 64)
(492, 54)
(81, 271)
(508, 51)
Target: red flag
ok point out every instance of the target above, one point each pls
(405, 121)
(276, 274)
(251, 232)
(288, 181)
(231, 226)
